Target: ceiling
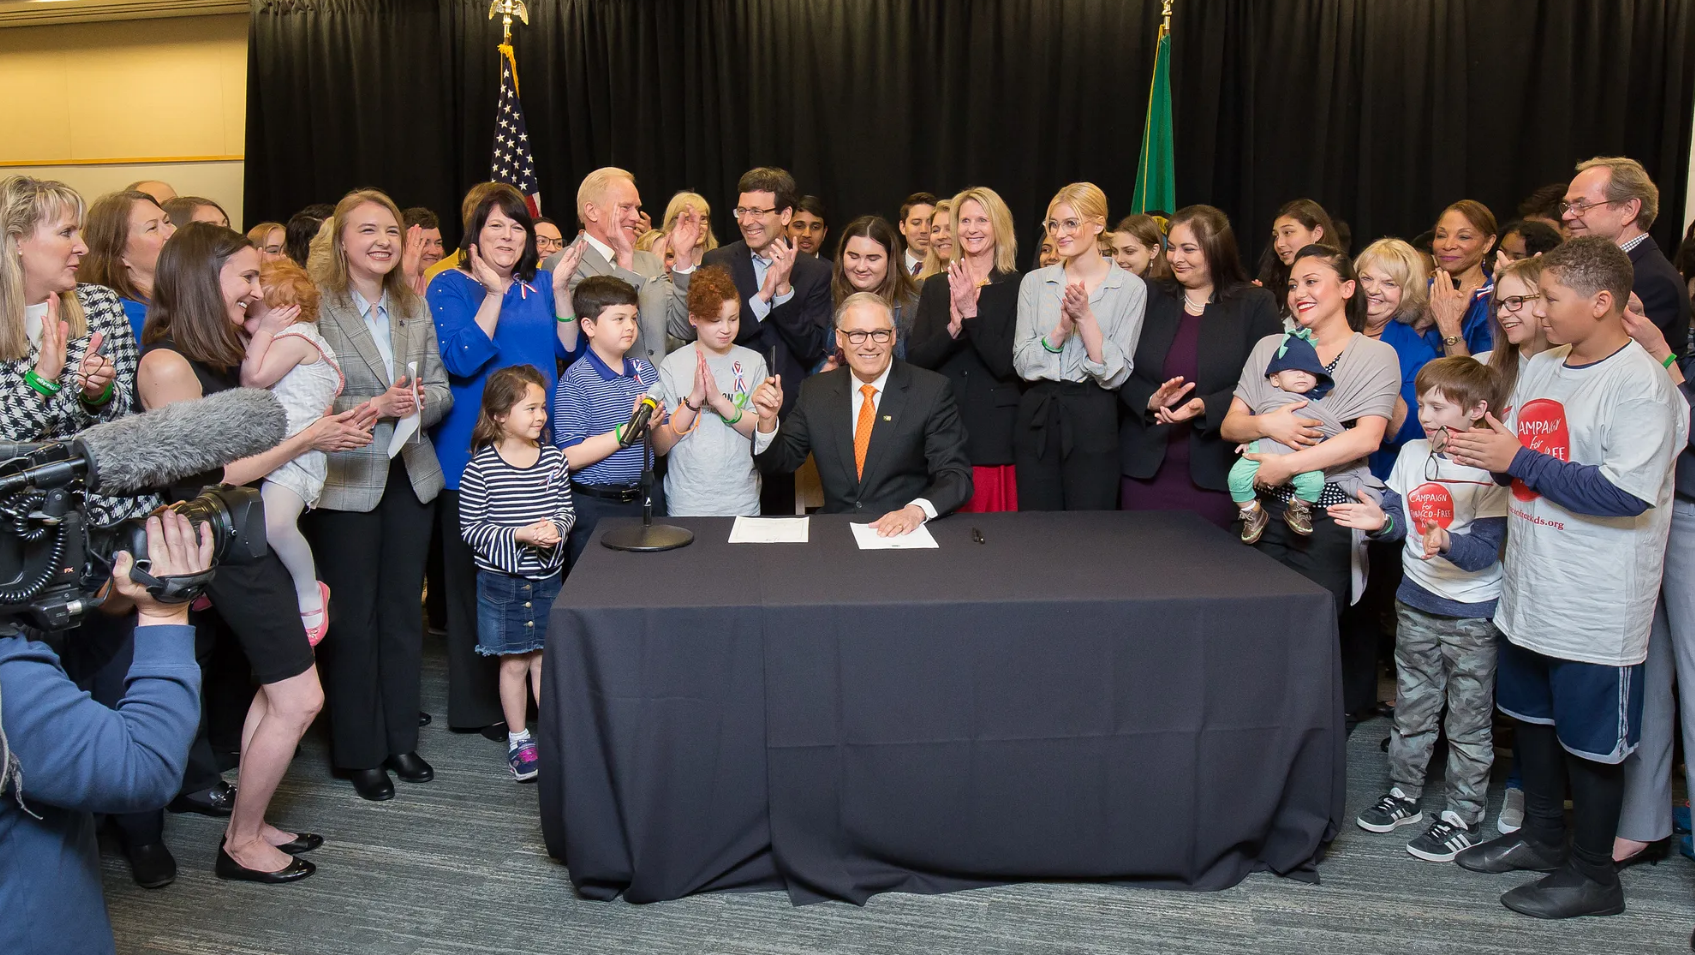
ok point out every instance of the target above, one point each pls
(29, 13)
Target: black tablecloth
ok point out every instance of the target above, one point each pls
(1105, 696)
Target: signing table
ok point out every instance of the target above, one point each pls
(1126, 697)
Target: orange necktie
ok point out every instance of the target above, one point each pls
(862, 428)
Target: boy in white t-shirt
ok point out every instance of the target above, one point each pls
(1593, 432)
(1453, 519)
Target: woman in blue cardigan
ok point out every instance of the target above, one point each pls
(497, 309)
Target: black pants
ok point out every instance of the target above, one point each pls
(1065, 447)
(591, 509)
(473, 680)
(1325, 559)
(1597, 796)
(373, 657)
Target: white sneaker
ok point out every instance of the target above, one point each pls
(1512, 812)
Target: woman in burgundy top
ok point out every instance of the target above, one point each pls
(1195, 339)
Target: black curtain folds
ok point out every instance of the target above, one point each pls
(1382, 110)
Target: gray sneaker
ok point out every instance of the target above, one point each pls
(1512, 812)
(1447, 837)
(1390, 813)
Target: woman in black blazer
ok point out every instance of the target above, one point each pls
(1195, 339)
(966, 316)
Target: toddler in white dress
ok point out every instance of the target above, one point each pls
(287, 355)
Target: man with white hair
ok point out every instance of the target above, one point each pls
(609, 207)
(907, 463)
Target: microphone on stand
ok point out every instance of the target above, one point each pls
(646, 536)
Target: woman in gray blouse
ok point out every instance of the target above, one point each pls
(1078, 322)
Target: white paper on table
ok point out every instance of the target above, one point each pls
(866, 537)
(408, 426)
(770, 530)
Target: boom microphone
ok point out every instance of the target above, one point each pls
(158, 448)
(638, 420)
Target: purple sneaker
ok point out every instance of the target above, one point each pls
(524, 760)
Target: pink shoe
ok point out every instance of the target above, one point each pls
(315, 635)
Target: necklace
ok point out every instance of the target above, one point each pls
(1191, 307)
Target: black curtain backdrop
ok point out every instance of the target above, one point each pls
(1382, 110)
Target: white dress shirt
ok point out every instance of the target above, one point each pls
(601, 247)
(914, 263)
(856, 399)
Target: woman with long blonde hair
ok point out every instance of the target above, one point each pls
(966, 316)
(1078, 323)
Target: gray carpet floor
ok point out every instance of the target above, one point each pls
(458, 866)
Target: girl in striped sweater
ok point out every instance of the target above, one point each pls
(514, 512)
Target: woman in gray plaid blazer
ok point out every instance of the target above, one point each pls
(371, 528)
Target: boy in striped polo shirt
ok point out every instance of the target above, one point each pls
(595, 398)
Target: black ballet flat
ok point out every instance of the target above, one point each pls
(228, 868)
(1651, 854)
(302, 842)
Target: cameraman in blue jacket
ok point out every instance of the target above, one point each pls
(64, 757)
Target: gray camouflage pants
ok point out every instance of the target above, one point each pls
(1444, 660)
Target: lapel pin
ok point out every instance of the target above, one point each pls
(887, 418)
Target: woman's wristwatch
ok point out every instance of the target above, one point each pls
(1452, 340)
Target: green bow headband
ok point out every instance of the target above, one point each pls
(1305, 334)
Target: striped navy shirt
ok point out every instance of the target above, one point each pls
(593, 399)
(496, 498)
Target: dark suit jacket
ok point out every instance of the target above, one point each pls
(917, 443)
(978, 362)
(798, 330)
(1229, 330)
(1665, 297)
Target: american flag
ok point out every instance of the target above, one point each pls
(513, 162)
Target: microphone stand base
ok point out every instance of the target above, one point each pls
(648, 538)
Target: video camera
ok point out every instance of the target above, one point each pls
(53, 564)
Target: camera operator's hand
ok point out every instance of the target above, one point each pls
(173, 552)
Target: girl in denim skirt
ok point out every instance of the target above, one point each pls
(514, 512)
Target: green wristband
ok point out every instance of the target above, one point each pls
(618, 435)
(1050, 347)
(732, 421)
(46, 388)
(100, 399)
(1668, 361)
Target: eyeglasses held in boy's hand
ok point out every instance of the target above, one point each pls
(742, 212)
(881, 336)
(1515, 303)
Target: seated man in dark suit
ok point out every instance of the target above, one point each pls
(1612, 197)
(886, 435)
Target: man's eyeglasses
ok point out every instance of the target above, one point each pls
(881, 336)
(547, 245)
(1514, 303)
(742, 212)
(1584, 205)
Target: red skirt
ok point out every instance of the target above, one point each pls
(994, 488)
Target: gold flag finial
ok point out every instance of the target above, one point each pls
(1165, 25)
(507, 8)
